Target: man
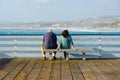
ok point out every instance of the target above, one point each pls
(50, 42)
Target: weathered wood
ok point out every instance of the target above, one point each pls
(65, 70)
(4, 62)
(116, 62)
(80, 50)
(112, 68)
(25, 72)
(9, 67)
(46, 70)
(96, 71)
(88, 75)
(75, 70)
(106, 71)
(71, 50)
(16, 70)
(38, 69)
(55, 70)
(33, 75)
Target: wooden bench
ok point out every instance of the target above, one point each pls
(81, 50)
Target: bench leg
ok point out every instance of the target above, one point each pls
(50, 56)
(83, 53)
(60, 54)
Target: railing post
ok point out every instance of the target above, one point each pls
(15, 46)
(84, 53)
(99, 46)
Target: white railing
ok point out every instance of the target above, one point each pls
(29, 45)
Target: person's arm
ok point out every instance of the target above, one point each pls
(71, 42)
(43, 38)
(59, 43)
(58, 47)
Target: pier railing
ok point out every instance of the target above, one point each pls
(103, 44)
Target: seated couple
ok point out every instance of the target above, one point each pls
(50, 42)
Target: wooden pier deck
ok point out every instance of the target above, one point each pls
(38, 69)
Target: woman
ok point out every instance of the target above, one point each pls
(65, 42)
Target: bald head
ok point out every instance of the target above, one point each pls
(50, 30)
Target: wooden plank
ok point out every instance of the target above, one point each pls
(88, 75)
(38, 69)
(33, 75)
(4, 62)
(116, 62)
(9, 67)
(114, 68)
(46, 70)
(106, 71)
(65, 70)
(73, 50)
(25, 72)
(55, 70)
(75, 70)
(11, 75)
(96, 71)
(110, 68)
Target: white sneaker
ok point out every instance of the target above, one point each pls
(84, 58)
(67, 58)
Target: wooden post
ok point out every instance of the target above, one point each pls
(15, 47)
(99, 46)
(84, 53)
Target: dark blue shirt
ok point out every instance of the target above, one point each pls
(50, 40)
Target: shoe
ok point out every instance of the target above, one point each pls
(54, 58)
(44, 57)
(67, 58)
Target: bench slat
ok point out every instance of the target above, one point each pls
(76, 50)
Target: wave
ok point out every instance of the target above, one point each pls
(75, 29)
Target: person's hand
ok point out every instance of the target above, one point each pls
(57, 49)
(75, 49)
(72, 47)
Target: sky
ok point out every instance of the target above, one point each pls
(25, 11)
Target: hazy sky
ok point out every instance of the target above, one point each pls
(56, 10)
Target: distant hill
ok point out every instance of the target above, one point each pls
(90, 23)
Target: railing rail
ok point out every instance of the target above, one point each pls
(30, 43)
